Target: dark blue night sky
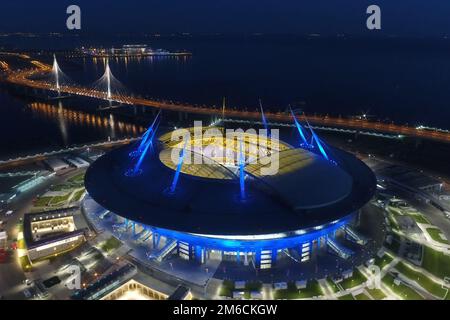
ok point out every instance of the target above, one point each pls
(402, 18)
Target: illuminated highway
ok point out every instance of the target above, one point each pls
(24, 78)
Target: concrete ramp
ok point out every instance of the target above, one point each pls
(339, 249)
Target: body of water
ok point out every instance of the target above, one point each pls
(405, 80)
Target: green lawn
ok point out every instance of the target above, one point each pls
(419, 218)
(346, 297)
(403, 291)
(60, 199)
(77, 196)
(415, 215)
(312, 289)
(425, 282)
(383, 261)
(111, 244)
(435, 234)
(436, 262)
(226, 289)
(332, 285)
(60, 187)
(77, 179)
(74, 182)
(357, 279)
(42, 201)
(47, 201)
(362, 296)
(252, 286)
(377, 294)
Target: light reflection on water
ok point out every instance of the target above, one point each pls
(65, 117)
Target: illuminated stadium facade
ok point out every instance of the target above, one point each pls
(213, 201)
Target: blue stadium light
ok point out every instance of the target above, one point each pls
(144, 140)
(319, 144)
(317, 140)
(266, 126)
(179, 166)
(236, 243)
(147, 133)
(299, 128)
(154, 133)
(137, 168)
(241, 171)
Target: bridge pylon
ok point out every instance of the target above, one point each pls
(108, 75)
(56, 73)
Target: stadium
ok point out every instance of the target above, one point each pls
(215, 201)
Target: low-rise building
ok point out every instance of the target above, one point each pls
(412, 178)
(133, 290)
(56, 164)
(77, 162)
(51, 233)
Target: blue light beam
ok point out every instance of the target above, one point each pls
(319, 144)
(299, 127)
(137, 167)
(317, 140)
(241, 171)
(147, 133)
(264, 121)
(179, 166)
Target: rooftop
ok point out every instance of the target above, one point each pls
(307, 191)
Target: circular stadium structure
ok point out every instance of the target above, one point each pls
(236, 197)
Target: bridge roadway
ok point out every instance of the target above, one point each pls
(24, 78)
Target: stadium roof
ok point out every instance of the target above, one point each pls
(308, 191)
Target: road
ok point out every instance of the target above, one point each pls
(11, 274)
(434, 215)
(27, 77)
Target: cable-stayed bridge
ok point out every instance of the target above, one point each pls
(108, 88)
